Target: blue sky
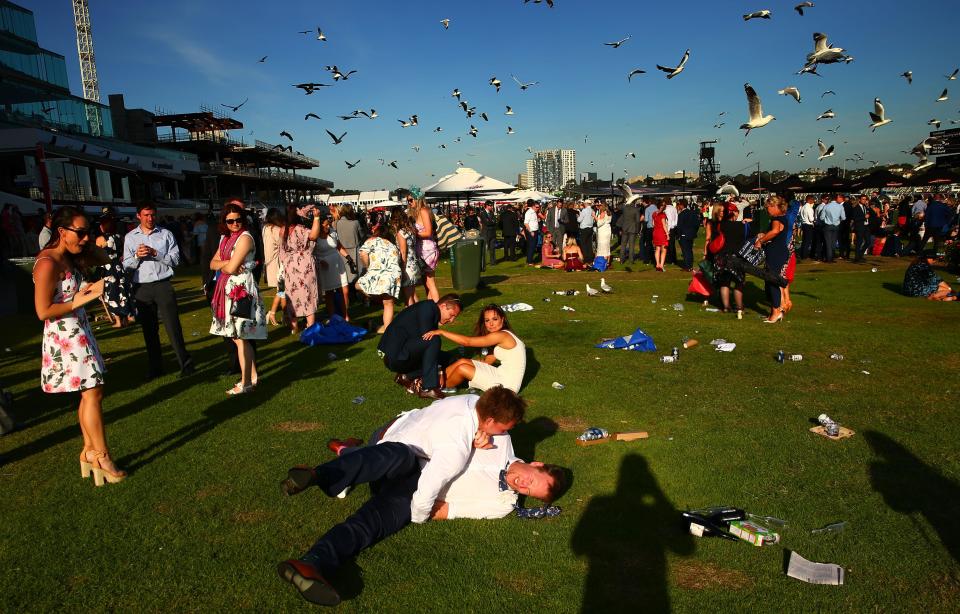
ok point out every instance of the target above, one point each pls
(180, 53)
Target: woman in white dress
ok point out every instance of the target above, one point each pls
(405, 235)
(494, 334)
(234, 263)
(331, 272)
(602, 217)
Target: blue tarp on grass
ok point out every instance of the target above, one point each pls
(639, 341)
(336, 331)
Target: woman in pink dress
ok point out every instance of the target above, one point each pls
(70, 359)
(660, 235)
(427, 248)
(550, 257)
(299, 272)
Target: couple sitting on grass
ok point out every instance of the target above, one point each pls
(410, 348)
(451, 459)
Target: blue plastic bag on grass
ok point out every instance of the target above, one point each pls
(600, 263)
(336, 331)
(639, 341)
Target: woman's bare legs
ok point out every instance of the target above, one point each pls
(346, 302)
(387, 312)
(91, 424)
(725, 297)
(430, 283)
(460, 371)
(247, 368)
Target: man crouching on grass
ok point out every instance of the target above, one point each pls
(413, 471)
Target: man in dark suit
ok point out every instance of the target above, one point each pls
(846, 229)
(629, 224)
(510, 224)
(688, 225)
(861, 231)
(488, 230)
(407, 354)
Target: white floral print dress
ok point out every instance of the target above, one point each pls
(242, 328)
(70, 358)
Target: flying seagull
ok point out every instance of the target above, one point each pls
(438, 129)
(720, 125)
(509, 111)
(635, 71)
(473, 131)
(371, 115)
(320, 35)
(336, 139)
(790, 91)
(510, 130)
(456, 93)
(878, 116)
(823, 53)
(833, 130)
(803, 5)
(828, 92)
(825, 152)
(764, 14)
(304, 31)
(309, 115)
(756, 117)
(524, 86)
(828, 114)
(673, 72)
(405, 123)
(262, 60)
(484, 117)
(943, 96)
(953, 76)
(309, 88)
(416, 148)
(349, 166)
(630, 155)
(749, 153)
(934, 122)
(286, 134)
(393, 164)
(809, 69)
(618, 43)
(908, 76)
(235, 108)
(495, 83)
(445, 23)
(346, 117)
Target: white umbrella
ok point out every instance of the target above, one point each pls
(465, 181)
(525, 195)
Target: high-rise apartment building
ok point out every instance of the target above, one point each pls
(551, 169)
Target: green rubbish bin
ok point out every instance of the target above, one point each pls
(466, 256)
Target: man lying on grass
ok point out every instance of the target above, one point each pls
(486, 487)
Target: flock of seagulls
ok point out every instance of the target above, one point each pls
(824, 52)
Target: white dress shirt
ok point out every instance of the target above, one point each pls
(441, 433)
(671, 211)
(806, 214)
(531, 221)
(475, 493)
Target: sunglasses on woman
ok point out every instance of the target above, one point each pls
(230, 221)
(82, 233)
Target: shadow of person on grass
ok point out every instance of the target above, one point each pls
(527, 435)
(910, 486)
(626, 536)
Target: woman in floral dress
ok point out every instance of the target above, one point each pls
(331, 270)
(403, 233)
(71, 360)
(234, 262)
(382, 278)
(117, 290)
(299, 271)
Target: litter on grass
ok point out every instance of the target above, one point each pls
(512, 307)
(678, 306)
(558, 386)
(718, 341)
(334, 331)
(565, 308)
(836, 527)
(726, 347)
(711, 310)
(639, 341)
(814, 573)
(359, 400)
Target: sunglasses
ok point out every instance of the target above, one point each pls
(232, 220)
(82, 233)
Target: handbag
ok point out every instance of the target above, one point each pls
(716, 243)
(242, 308)
(751, 254)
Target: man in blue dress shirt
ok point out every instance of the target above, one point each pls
(831, 214)
(150, 253)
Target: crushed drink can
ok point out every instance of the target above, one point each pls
(676, 354)
(558, 386)
(795, 357)
(780, 356)
(667, 359)
(359, 400)
(593, 433)
(836, 356)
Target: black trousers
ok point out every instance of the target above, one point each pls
(671, 247)
(862, 242)
(646, 244)
(844, 234)
(818, 240)
(532, 240)
(806, 243)
(510, 247)
(686, 248)
(392, 470)
(829, 241)
(422, 360)
(155, 301)
(585, 240)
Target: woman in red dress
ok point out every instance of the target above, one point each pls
(660, 234)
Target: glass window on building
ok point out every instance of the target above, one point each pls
(17, 21)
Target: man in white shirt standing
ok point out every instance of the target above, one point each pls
(408, 463)
(672, 215)
(807, 220)
(585, 240)
(531, 229)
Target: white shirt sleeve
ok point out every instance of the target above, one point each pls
(446, 461)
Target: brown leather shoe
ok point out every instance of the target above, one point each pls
(432, 393)
(308, 581)
(402, 379)
(299, 479)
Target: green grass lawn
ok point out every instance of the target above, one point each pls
(200, 523)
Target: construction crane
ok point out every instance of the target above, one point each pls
(88, 65)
